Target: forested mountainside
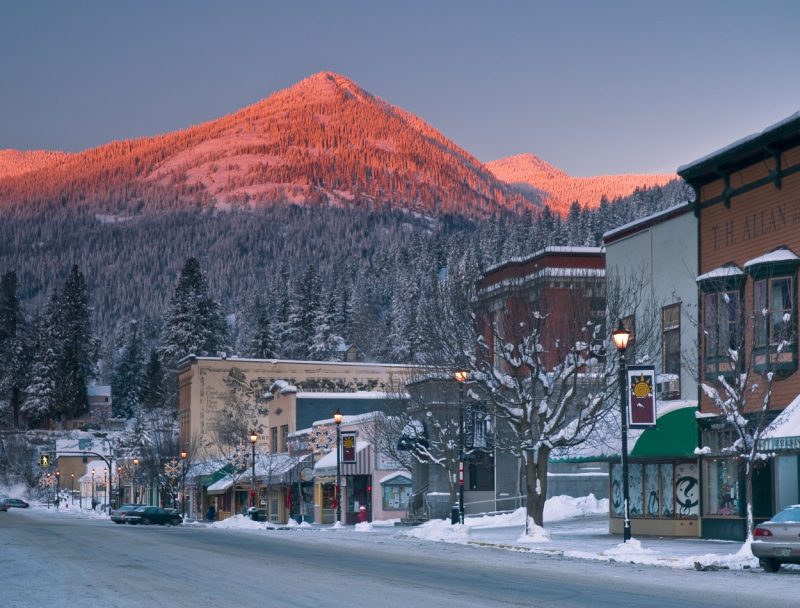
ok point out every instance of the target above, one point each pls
(16, 162)
(322, 141)
(559, 190)
(375, 268)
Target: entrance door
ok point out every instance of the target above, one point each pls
(359, 494)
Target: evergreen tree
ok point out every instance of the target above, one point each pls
(152, 384)
(41, 394)
(193, 323)
(78, 349)
(127, 378)
(262, 343)
(13, 354)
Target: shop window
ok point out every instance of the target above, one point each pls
(657, 490)
(671, 352)
(396, 493)
(722, 487)
(480, 473)
(775, 331)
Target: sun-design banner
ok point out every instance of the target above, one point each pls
(641, 397)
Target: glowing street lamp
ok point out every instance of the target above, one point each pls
(337, 418)
(461, 376)
(253, 439)
(184, 456)
(621, 337)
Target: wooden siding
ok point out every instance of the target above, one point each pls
(756, 222)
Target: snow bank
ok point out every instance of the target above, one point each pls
(241, 522)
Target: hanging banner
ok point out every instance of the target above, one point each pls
(348, 447)
(641, 397)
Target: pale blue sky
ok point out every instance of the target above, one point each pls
(592, 87)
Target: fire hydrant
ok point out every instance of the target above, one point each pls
(362, 514)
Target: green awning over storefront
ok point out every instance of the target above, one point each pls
(675, 436)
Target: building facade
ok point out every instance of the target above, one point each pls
(747, 206)
(657, 256)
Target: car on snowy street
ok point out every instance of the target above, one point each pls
(152, 515)
(14, 502)
(118, 515)
(777, 541)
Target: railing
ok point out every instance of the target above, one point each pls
(418, 503)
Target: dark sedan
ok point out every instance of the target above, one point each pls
(777, 541)
(14, 502)
(118, 515)
(152, 515)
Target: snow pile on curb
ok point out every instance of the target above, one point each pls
(535, 534)
(241, 522)
(364, 527)
(559, 508)
(440, 530)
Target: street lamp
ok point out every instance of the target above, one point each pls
(135, 485)
(184, 456)
(621, 337)
(253, 438)
(72, 488)
(337, 418)
(58, 488)
(461, 377)
(93, 499)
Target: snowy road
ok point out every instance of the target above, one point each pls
(57, 561)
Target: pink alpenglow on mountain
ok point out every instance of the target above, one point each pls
(559, 189)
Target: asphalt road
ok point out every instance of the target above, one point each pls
(48, 561)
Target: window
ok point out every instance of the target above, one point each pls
(284, 437)
(722, 330)
(671, 351)
(722, 487)
(273, 444)
(774, 324)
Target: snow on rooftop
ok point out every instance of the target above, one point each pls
(737, 143)
(729, 270)
(348, 396)
(547, 250)
(781, 254)
(653, 217)
(98, 390)
(787, 424)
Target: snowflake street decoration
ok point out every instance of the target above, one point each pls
(239, 457)
(322, 438)
(172, 469)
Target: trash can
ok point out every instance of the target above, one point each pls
(253, 513)
(455, 515)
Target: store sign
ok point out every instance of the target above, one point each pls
(348, 447)
(641, 397)
(779, 443)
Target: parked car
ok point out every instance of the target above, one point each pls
(118, 515)
(152, 515)
(3, 507)
(14, 502)
(777, 541)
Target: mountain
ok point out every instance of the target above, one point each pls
(17, 162)
(322, 141)
(528, 172)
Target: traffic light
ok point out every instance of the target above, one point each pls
(44, 460)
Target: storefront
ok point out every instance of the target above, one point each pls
(663, 477)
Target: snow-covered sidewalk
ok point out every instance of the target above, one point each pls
(578, 528)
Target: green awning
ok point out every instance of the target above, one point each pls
(675, 436)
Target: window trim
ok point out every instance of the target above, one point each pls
(664, 331)
(766, 357)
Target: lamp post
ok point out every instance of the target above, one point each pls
(621, 336)
(135, 486)
(93, 500)
(184, 456)
(461, 377)
(58, 489)
(72, 488)
(337, 418)
(253, 438)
